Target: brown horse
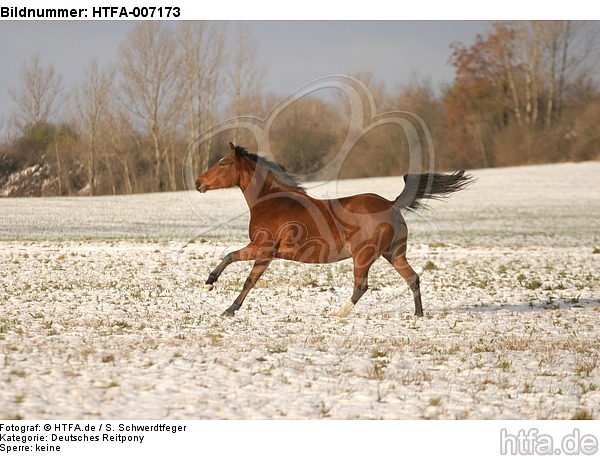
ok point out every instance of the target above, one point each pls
(287, 223)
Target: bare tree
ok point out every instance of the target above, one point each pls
(151, 90)
(550, 55)
(5, 132)
(417, 96)
(576, 45)
(203, 46)
(377, 88)
(307, 134)
(122, 142)
(39, 97)
(246, 75)
(92, 103)
(515, 80)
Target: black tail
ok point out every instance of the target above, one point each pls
(430, 186)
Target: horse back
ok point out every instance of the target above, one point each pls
(310, 230)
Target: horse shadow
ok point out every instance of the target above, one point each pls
(536, 306)
(522, 307)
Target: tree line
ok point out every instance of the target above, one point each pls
(524, 92)
(125, 128)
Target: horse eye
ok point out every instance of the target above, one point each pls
(222, 164)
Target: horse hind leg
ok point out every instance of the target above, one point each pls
(347, 308)
(412, 278)
(360, 288)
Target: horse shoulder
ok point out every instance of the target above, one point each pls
(278, 209)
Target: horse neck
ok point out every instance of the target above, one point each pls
(257, 183)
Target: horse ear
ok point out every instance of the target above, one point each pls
(231, 148)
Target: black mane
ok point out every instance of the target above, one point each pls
(278, 171)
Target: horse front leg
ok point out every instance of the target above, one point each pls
(250, 252)
(214, 275)
(257, 270)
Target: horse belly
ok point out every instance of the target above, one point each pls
(314, 251)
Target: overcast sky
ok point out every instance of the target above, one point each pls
(294, 52)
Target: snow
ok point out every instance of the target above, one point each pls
(28, 181)
(103, 316)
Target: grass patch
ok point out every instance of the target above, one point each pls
(533, 284)
(583, 414)
(585, 367)
(435, 401)
(430, 266)
(277, 349)
(378, 353)
(505, 364)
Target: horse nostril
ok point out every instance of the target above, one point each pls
(198, 183)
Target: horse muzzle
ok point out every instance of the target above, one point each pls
(202, 188)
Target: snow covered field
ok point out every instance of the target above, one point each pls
(102, 313)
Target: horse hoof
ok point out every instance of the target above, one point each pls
(344, 311)
(339, 314)
(208, 287)
(228, 313)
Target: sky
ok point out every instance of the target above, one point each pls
(294, 52)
